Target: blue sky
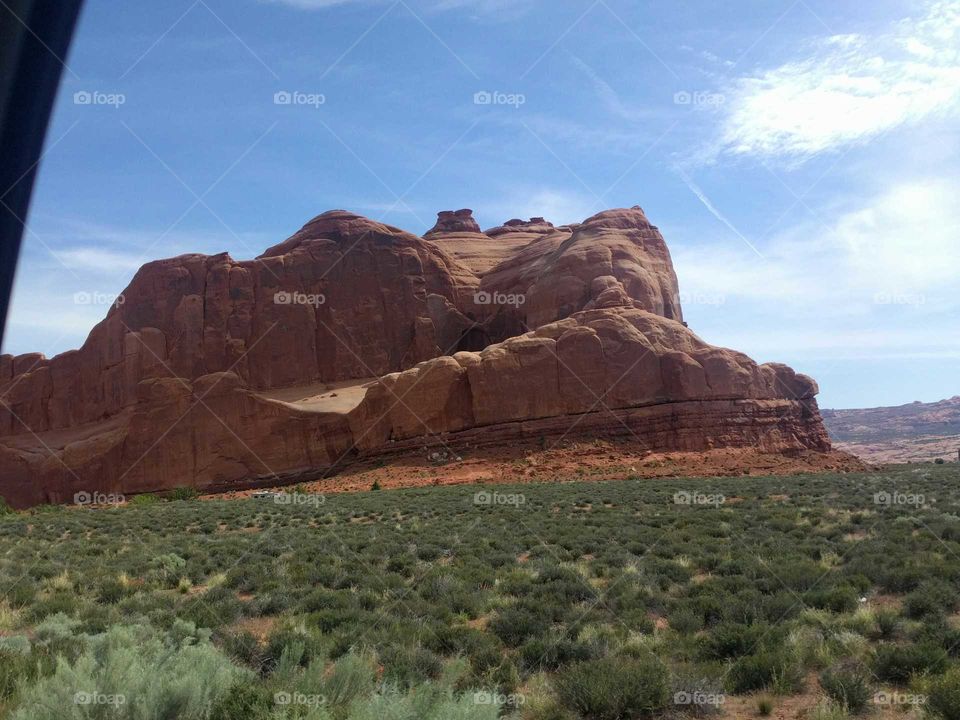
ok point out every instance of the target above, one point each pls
(800, 156)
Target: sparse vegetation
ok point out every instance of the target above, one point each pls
(587, 600)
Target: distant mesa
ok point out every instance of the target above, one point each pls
(354, 339)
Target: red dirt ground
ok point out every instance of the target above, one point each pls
(585, 460)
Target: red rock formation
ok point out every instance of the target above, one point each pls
(454, 221)
(179, 384)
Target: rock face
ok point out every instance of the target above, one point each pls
(916, 432)
(214, 372)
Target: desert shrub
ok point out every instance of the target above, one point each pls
(183, 493)
(5, 509)
(943, 696)
(848, 684)
(65, 602)
(144, 499)
(214, 608)
(685, 622)
(406, 666)
(828, 710)
(155, 678)
(931, 598)
(838, 599)
(515, 625)
(614, 688)
(323, 599)
(427, 703)
(897, 663)
(271, 603)
(168, 568)
(729, 640)
(16, 667)
(766, 668)
(283, 640)
(21, 594)
(243, 647)
(780, 607)
(351, 677)
(244, 700)
(886, 622)
(112, 590)
(552, 653)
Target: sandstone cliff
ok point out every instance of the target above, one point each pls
(352, 337)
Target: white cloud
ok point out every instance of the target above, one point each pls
(850, 88)
(883, 271)
(99, 260)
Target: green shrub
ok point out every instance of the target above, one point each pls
(155, 677)
(5, 509)
(887, 622)
(406, 666)
(62, 602)
(765, 669)
(943, 696)
(897, 663)
(15, 668)
(729, 640)
(550, 654)
(848, 684)
(685, 622)
(930, 599)
(614, 688)
(828, 710)
(144, 499)
(515, 625)
(183, 493)
(244, 700)
(306, 645)
(426, 703)
(839, 599)
(351, 677)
